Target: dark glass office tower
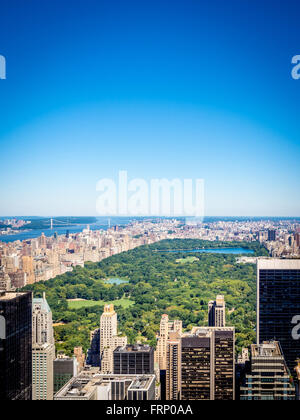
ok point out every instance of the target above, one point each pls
(195, 368)
(133, 360)
(207, 364)
(271, 235)
(278, 306)
(93, 355)
(64, 369)
(15, 346)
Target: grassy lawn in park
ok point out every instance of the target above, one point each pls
(77, 304)
(186, 260)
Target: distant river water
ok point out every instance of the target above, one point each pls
(22, 236)
(101, 223)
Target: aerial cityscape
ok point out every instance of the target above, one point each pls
(166, 359)
(149, 203)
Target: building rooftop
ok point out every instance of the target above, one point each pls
(64, 359)
(141, 383)
(86, 383)
(6, 296)
(133, 348)
(205, 331)
(278, 264)
(266, 349)
(43, 302)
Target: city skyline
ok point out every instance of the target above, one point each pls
(200, 90)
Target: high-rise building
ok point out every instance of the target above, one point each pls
(262, 236)
(133, 360)
(216, 312)
(278, 306)
(42, 371)
(166, 327)
(42, 324)
(27, 266)
(80, 357)
(271, 235)
(15, 346)
(297, 239)
(240, 371)
(109, 338)
(208, 364)
(5, 282)
(267, 377)
(18, 279)
(43, 350)
(93, 355)
(64, 369)
(173, 371)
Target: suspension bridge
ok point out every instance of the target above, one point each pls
(68, 222)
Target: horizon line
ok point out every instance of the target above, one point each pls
(148, 216)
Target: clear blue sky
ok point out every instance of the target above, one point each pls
(188, 89)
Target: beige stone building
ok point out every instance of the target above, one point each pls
(43, 350)
(166, 327)
(109, 338)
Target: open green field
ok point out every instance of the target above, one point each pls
(187, 260)
(78, 304)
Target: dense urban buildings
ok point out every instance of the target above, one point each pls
(268, 377)
(15, 346)
(208, 364)
(38, 259)
(278, 306)
(5, 281)
(216, 312)
(133, 360)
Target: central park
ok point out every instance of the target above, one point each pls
(151, 280)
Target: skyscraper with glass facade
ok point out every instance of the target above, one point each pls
(15, 346)
(278, 306)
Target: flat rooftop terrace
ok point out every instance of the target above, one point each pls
(6, 296)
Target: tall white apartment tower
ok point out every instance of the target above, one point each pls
(43, 350)
(109, 338)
